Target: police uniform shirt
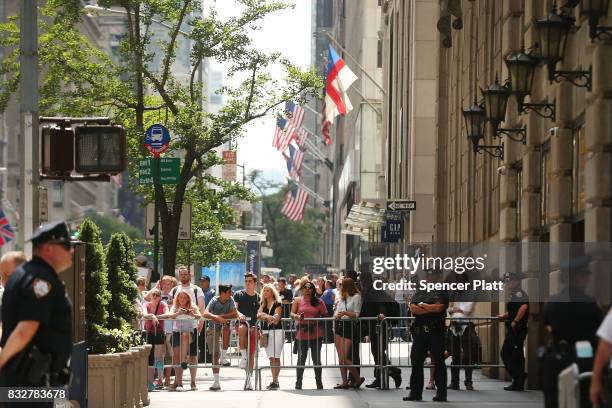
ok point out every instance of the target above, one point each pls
(573, 318)
(432, 297)
(518, 298)
(39, 295)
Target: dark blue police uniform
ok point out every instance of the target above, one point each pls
(512, 350)
(34, 292)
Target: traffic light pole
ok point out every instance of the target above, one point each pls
(28, 140)
(156, 182)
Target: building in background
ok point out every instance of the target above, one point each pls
(553, 188)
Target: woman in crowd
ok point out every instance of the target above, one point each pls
(151, 311)
(347, 343)
(329, 298)
(185, 314)
(273, 337)
(320, 285)
(309, 333)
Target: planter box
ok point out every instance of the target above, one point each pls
(118, 380)
(104, 382)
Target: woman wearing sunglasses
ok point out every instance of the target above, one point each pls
(309, 333)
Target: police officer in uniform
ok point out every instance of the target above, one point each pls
(36, 315)
(428, 334)
(570, 316)
(516, 330)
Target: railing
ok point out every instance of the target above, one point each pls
(391, 352)
(198, 343)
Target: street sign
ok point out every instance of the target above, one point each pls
(43, 205)
(184, 233)
(401, 205)
(157, 139)
(169, 169)
(228, 170)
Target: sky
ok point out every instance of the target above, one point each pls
(288, 32)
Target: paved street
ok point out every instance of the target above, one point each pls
(488, 392)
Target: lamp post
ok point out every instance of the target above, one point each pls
(594, 10)
(552, 32)
(475, 118)
(521, 67)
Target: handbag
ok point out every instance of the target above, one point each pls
(155, 335)
(263, 340)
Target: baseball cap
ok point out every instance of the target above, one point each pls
(205, 277)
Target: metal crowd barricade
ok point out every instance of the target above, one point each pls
(328, 355)
(464, 341)
(181, 335)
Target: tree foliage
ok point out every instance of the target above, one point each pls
(80, 80)
(122, 288)
(97, 295)
(294, 244)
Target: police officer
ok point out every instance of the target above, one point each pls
(36, 314)
(428, 334)
(516, 330)
(570, 316)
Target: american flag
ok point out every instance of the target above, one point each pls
(295, 201)
(295, 114)
(6, 231)
(294, 161)
(301, 137)
(281, 123)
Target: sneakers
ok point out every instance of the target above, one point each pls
(224, 362)
(273, 386)
(469, 386)
(215, 386)
(431, 386)
(248, 386)
(243, 363)
(179, 388)
(412, 398)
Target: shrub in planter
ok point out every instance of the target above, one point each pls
(121, 306)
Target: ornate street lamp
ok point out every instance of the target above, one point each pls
(475, 118)
(495, 101)
(552, 32)
(521, 67)
(594, 10)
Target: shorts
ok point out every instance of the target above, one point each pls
(276, 340)
(253, 338)
(213, 339)
(346, 329)
(193, 341)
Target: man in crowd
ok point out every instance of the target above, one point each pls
(36, 315)
(286, 296)
(247, 304)
(209, 293)
(265, 279)
(428, 332)
(291, 281)
(516, 330)
(166, 284)
(8, 264)
(220, 309)
(603, 359)
(197, 298)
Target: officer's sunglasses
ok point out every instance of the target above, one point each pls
(68, 245)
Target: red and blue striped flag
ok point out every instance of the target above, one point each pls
(6, 231)
(295, 201)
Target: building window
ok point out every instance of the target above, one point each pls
(518, 168)
(57, 194)
(379, 54)
(579, 158)
(545, 175)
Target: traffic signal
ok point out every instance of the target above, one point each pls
(83, 149)
(100, 149)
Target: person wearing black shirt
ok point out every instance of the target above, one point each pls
(378, 303)
(36, 315)
(516, 330)
(428, 333)
(247, 304)
(570, 316)
(286, 296)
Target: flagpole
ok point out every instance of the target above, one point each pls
(308, 191)
(367, 101)
(312, 110)
(354, 61)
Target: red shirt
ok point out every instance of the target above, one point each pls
(309, 330)
(162, 308)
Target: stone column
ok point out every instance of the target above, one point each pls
(104, 381)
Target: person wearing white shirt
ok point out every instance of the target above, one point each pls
(462, 336)
(603, 358)
(348, 306)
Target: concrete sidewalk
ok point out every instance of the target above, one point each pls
(488, 393)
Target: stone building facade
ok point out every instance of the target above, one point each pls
(557, 187)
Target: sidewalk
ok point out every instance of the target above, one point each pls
(488, 393)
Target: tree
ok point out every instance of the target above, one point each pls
(109, 226)
(79, 80)
(122, 288)
(294, 243)
(97, 295)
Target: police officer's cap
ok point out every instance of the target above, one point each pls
(57, 232)
(577, 265)
(508, 276)
(205, 277)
